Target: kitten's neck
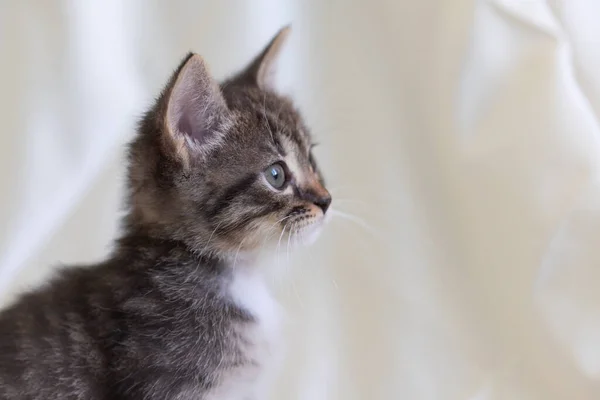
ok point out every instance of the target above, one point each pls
(138, 232)
(138, 245)
(184, 276)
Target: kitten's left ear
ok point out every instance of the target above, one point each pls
(195, 109)
(262, 70)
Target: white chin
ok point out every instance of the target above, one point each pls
(309, 234)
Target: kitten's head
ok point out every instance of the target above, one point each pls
(225, 168)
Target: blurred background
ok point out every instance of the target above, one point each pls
(460, 139)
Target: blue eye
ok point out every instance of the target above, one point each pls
(275, 175)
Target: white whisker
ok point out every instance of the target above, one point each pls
(336, 200)
(358, 221)
(237, 252)
(213, 232)
(290, 234)
(279, 243)
(272, 227)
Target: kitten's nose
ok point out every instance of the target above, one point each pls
(323, 202)
(316, 194)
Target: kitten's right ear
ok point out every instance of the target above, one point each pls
(263, 69)
(195, 109)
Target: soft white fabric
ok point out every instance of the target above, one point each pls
(463, 133)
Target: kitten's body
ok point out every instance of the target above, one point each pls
(102, 332)
(181, 309)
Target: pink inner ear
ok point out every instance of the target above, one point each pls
(186, 127)
(196, 102)
(190, 119)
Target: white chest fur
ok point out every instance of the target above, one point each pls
(249, 291)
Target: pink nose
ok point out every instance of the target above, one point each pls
(317, 195)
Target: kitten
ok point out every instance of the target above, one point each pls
(180, 310)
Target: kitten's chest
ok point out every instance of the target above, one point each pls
(259, 342)
(249, 291)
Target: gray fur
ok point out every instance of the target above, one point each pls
(156, 320)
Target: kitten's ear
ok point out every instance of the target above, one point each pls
(262, 70)
(195, 108)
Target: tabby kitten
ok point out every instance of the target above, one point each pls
(180, 310)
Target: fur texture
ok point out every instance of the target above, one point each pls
(180, 310)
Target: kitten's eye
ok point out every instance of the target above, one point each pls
(275, 175)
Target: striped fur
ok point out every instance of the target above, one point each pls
(179, 310)
(218, 197)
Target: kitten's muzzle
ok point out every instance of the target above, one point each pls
(318, 196)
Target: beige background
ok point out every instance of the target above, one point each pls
(463, 133)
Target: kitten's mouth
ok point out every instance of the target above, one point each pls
(305, 230)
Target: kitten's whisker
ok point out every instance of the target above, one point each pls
(282, 219)
(232, 225)
(211, 235)
(293, 281)
(358, 221)
(237, 252)
(272, 228)
(336, 200)
(288, 243)
(279, 243)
